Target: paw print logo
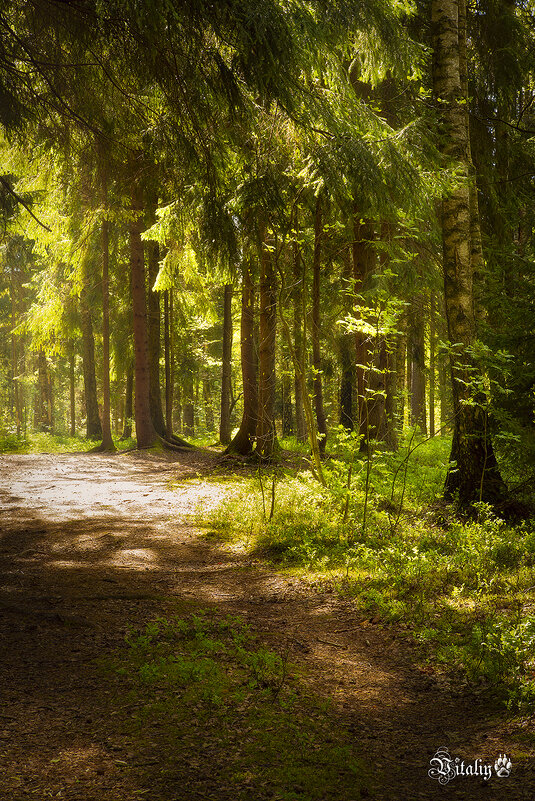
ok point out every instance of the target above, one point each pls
(503, 766)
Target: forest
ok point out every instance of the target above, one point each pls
(273, 261)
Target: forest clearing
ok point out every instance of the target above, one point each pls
(267, 399)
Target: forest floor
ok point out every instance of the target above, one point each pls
(93, 544)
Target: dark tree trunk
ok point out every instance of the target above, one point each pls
(42, 418)
(188, 412)
(401, 373)
(107, 440)
(153, 334)
(177, 411)
(50, 401)
(364, 258)
(346, 381)
(392, 394)
(17, 405)
(265, 429)
(93, 424)
(287, 411)
(347, 354)
(42, 422)
(128, 401)
(226, 371)
(168, 356)
(316, 328)
(375, 405)
(432, 363)
(244, 439)
(380, 380)
(72, 396)
(417, 366)
(145, 431)
(208, 408)
(298, 322)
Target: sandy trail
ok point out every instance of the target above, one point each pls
(91, 544)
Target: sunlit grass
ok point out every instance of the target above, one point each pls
(43, 442)
(378, 533)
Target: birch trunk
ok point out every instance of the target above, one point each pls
(475, 476)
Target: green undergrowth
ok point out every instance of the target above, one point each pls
(229, 717)
(43, 442)
(465, 590)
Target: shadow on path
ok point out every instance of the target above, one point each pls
(93, 544)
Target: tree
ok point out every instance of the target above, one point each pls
(145, 431)
(474, 474)
(226, 374)
(243, 441)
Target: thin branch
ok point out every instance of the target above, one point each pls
(18, 198)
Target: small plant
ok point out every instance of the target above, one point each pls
(439, 576)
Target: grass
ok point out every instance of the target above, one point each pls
(231, 717)
(378, 533)
(465, 590)
(42, 442)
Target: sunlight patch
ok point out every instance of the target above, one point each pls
(135, 556)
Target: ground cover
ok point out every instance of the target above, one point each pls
(97, 548)
(379, 534)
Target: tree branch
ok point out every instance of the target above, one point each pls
(18, 198)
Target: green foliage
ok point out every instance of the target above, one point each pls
(210, 685)
(42, 442)
(464, 589)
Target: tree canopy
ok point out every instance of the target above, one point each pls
(359, 173)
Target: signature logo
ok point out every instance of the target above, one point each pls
(445, 767)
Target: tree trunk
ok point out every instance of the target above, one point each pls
(145, 431)
(346, 350)
(208, 408)
(72, 388)
(286, 397)
(93, 424)
(476, 476)
(153, 334)
(17, 406)
(401, 374)
(432, 363)
(298, 322)
(346, 381)
(364, 258)
(177, 410)
(107, 440)
(416, 342)
(391, 394)
(226, 370)
(375, 407)
(128, 401)
(168, 356)
(50, 401)
(188, 414)
(42, 421)
(265, 429)
(244, 438)
(316, 325)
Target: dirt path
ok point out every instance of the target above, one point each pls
(91, 544)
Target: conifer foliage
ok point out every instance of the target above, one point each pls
(244, 221)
